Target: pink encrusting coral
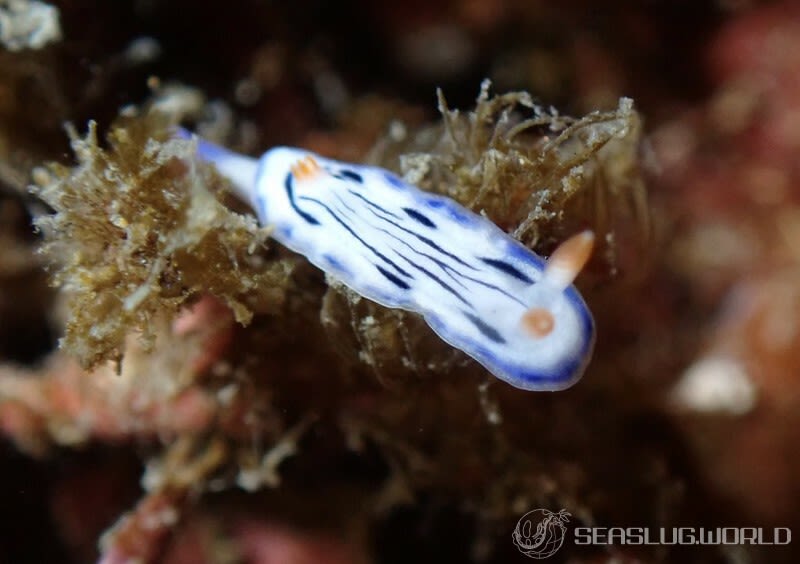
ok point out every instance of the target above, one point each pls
(62, 403)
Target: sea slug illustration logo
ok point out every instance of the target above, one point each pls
(540, 533)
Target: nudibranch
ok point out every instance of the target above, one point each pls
(478, 288)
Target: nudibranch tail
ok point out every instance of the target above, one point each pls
(239, 169)
(478, 288)
(568, 259)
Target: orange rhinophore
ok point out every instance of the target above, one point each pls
(568, 259)
(538, 322)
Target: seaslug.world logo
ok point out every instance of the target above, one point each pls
(540, 532)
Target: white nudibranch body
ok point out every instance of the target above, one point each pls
(479, 289)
